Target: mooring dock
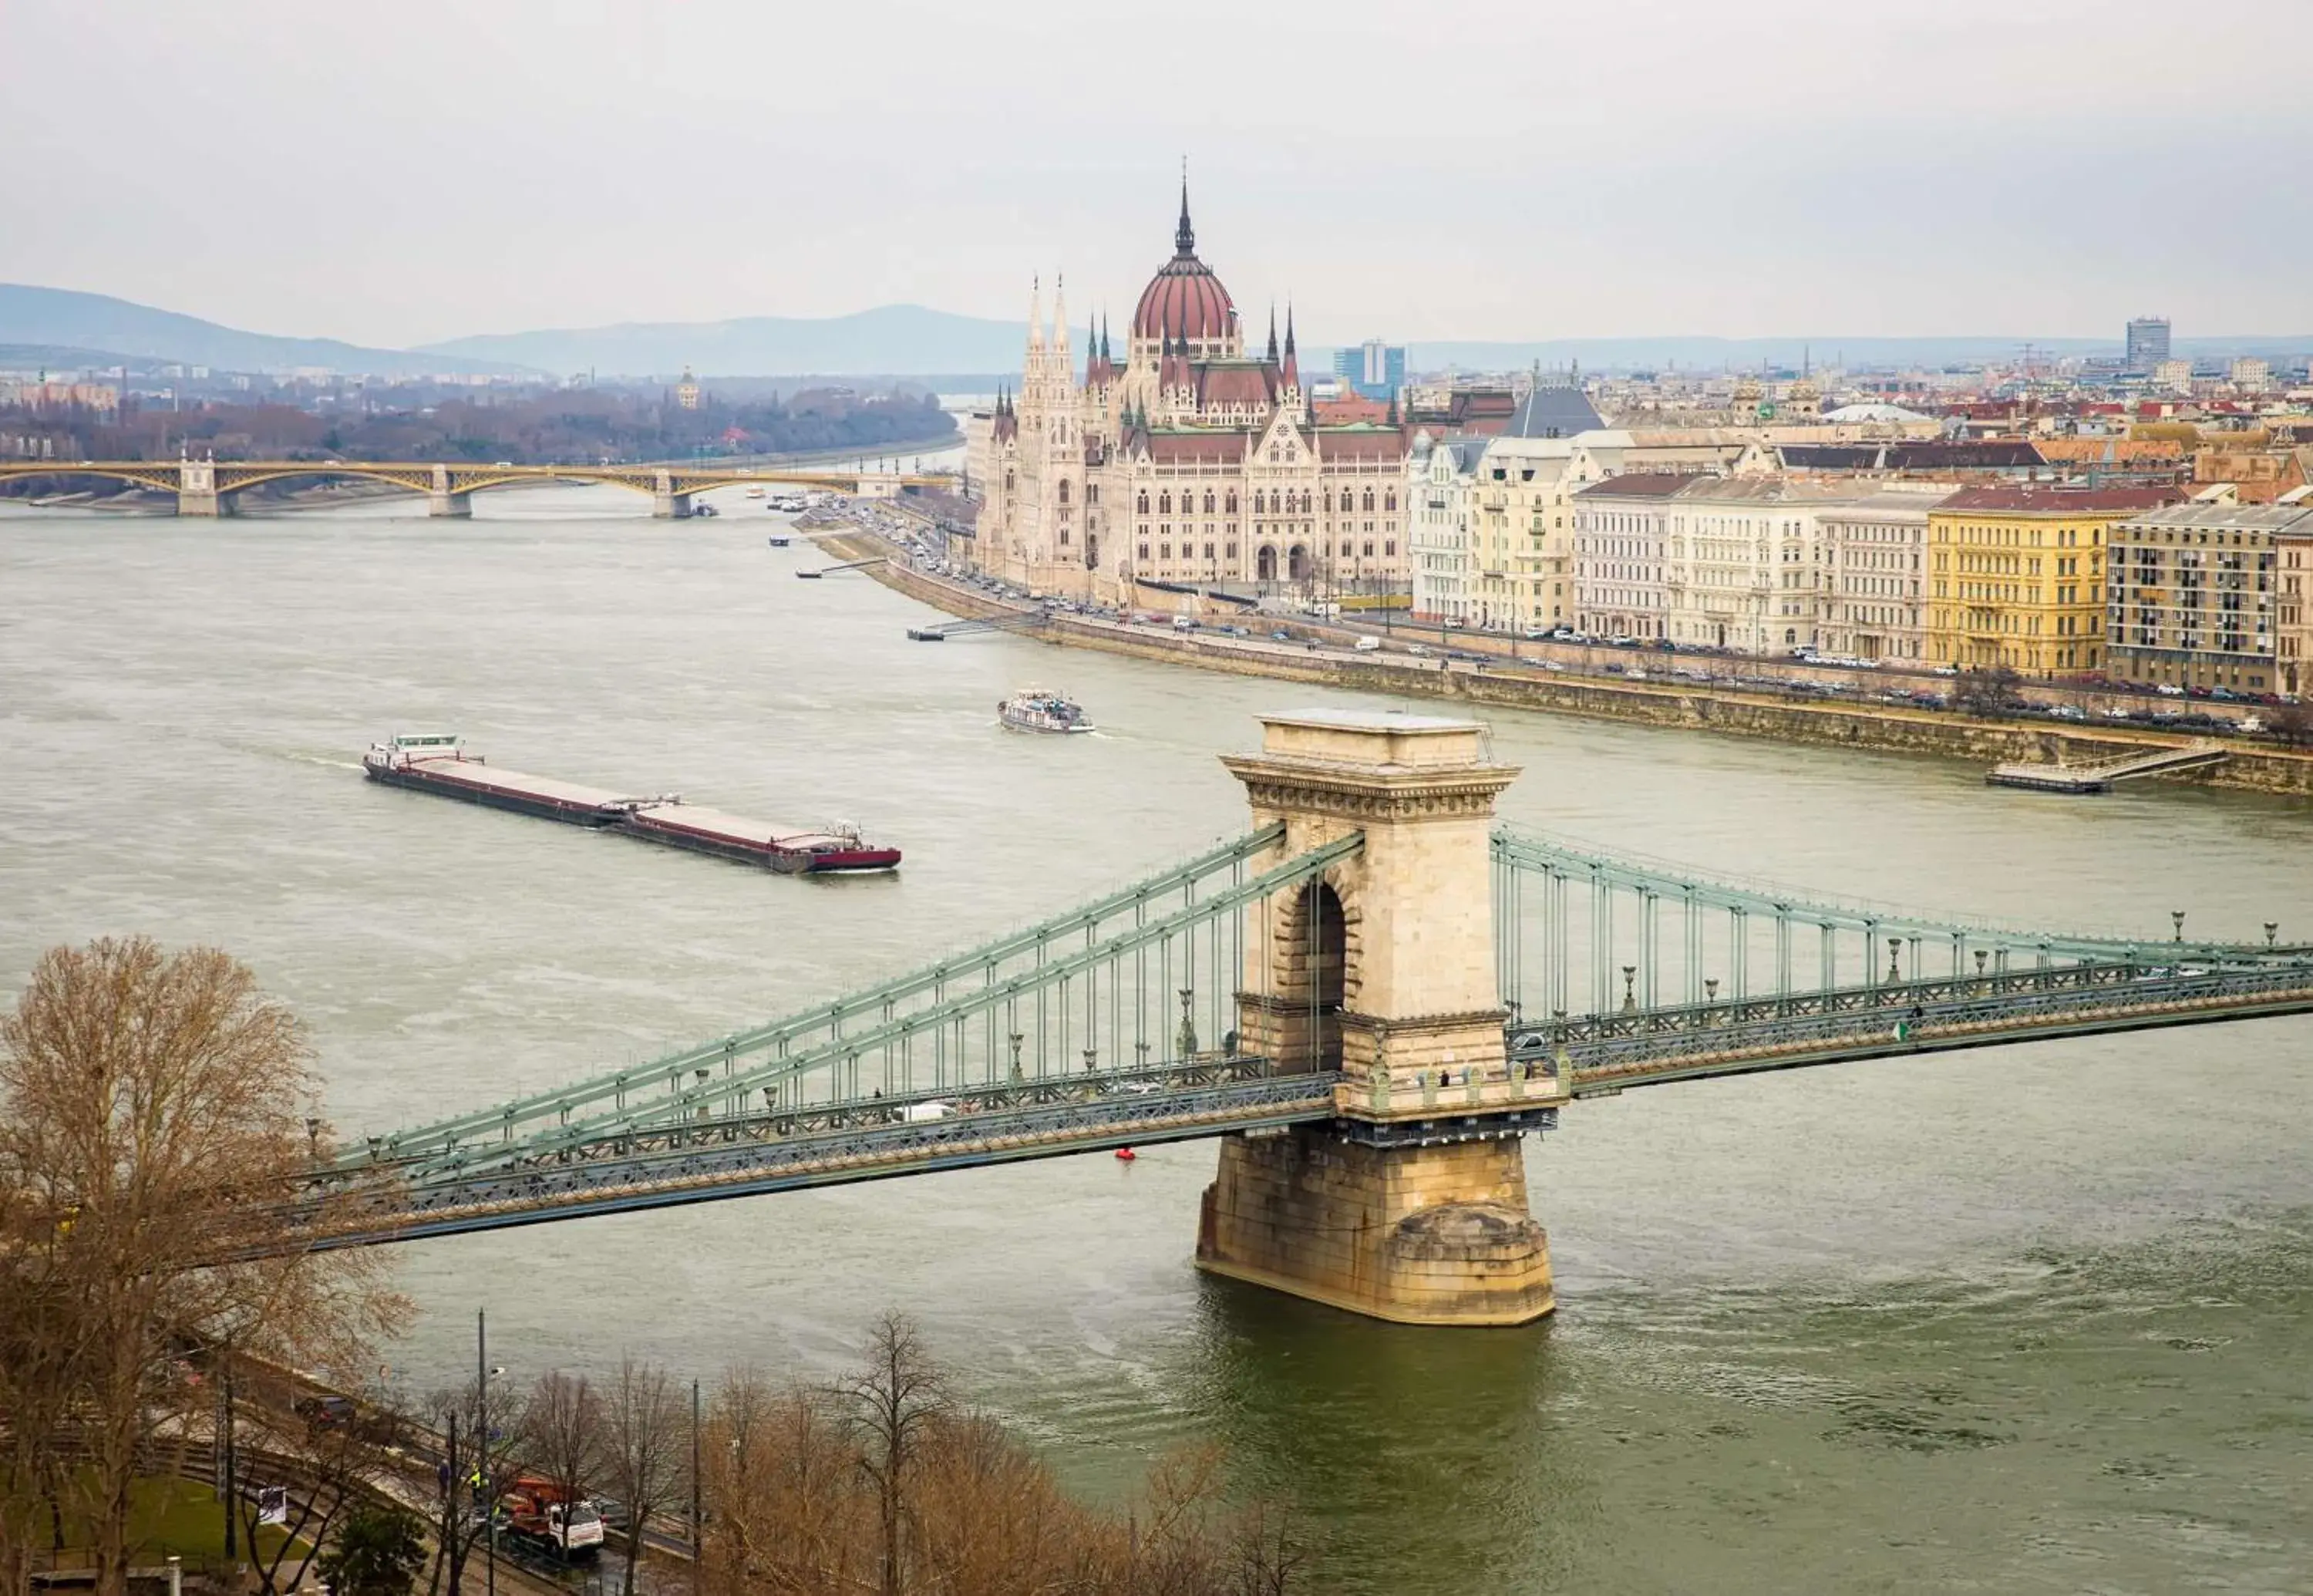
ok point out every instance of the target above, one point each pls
(2101, 776)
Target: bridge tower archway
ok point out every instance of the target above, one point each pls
(1382, 969)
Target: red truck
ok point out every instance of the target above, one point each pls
(538, 1510)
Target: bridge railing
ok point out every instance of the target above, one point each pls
(859, 1140)
(1146, 974)
(1579, 930)
(1927, 1012)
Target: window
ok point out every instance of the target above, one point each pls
(1232, 501)
(1164, 504)
(1209, 501)
(1144, 499)
(1064, 490)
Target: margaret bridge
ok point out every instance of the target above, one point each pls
(207, 486)
(1371, 997)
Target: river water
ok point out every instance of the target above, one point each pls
(2027, 1319)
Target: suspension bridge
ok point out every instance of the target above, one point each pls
(1371, 997)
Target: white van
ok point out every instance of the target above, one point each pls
(1368, 645)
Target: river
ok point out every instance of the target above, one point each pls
(2022, 1319)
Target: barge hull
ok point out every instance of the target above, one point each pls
(507, 791)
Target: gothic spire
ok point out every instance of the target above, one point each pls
(1184, 237)
(1288, 326)
(1272, 334)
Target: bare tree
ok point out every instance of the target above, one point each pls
(562, 1432)
(1991, 693)
(892, 1401)
(149, 1124)
(2291, 724)
(645, 1450)
(779, 1482)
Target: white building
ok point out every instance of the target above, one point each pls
(1874, 550)
(1621, 533)
(1437, 525)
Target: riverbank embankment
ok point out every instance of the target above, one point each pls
(1879, 728)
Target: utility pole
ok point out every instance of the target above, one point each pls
(232, 1484)
(697, 1541)
(451, 1549)
(482, 1448)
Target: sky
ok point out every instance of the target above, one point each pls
(1503, 169)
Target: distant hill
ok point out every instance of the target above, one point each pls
(907, 337)
(63, 318)
(1738, 354)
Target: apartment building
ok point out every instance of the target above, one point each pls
(1873, 556)
(2016, 576)
(2196, 594)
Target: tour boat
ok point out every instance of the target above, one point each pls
(1032, 709)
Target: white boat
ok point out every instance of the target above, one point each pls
(1032, 709)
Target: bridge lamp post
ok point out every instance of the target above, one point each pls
(2271, 933)
(2176, 917)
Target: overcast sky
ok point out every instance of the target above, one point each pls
(418, 170)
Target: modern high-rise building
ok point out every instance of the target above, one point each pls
(2148, 342)
(1377, 370)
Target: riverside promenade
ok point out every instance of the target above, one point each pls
(1329, 656)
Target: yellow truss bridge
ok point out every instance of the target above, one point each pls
(207, 487)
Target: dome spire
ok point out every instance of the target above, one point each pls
(1184, 237)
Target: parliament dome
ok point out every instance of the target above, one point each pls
(1185, 300)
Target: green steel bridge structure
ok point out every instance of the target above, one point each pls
(1138, 1018)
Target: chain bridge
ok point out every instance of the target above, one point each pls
(206, 486)
(1371, 997)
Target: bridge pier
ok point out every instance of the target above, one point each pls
(196, 490)
(1407, 1206)
(1418, 1235)
(670, 507)
(459, 506)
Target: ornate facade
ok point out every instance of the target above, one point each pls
(1186, 462)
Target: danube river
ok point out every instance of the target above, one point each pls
(2028, 1320)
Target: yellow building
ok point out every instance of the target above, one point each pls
(2017, 576)
(686, 391)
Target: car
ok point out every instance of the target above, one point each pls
(2169, 690)
(2068, 712)
(1618, 642)
(1537, 635)
(324, 1413)
(1421, 649)
(1551, 664)
(1281, 635)
(1141, 1088)
(1368, 645)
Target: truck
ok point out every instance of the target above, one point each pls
(537, 1510)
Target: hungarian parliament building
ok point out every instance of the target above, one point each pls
(1188, 462)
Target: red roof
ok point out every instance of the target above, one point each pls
(1641, 484)
(1224, 446)
(1358, 443)
(1246, 384)
(2060, 501)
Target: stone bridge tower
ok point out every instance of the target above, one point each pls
(1411, 1204)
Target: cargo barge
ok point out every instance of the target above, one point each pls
(834, 848)
(438, 763)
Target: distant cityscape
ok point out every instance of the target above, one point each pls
(2130, 514)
